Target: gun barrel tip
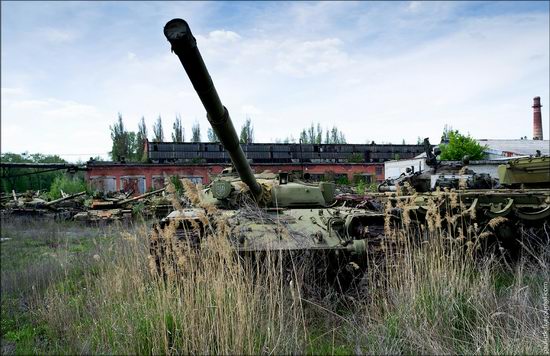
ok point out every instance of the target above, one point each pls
(175, 29)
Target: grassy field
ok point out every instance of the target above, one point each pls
(71, 289)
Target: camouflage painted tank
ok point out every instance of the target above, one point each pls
(522, 187)
(519, 199)
(266, 211)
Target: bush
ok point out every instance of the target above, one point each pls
(69, 185)
(460, 146)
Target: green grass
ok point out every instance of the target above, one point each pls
(71, 289)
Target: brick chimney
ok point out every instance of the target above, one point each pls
(537, 119)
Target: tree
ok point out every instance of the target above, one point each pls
(141, 138)
(158, 134)
(459, 146)
(303, 136)
(212, 137)
(119, 136)
(311, 137)
(23, 179)
(319, 134)
(133, 146)
(337, 136)
(247, 132)
(196, 132)
(177, 135)
(314, 135)
(446, 133)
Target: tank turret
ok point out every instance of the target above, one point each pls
(268, 189)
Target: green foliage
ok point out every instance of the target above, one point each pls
(342, 180)
(177, 184)
(158, 133)
(247, 132)
(314, 135)
(20, 180)
(361, 185)
(69, 185)
(178, 134)
(129, 145)
(119, 136)
(356, 158)
(196, 132)
(459, 146)
(141, 137)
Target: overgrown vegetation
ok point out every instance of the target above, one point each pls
(67, 184)
(68, 289)
(23, 179)
(459, 145)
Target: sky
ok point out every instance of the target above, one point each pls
(379, 71)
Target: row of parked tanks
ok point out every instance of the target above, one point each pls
(280, 212)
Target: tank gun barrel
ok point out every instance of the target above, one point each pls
(183, 43)
(139, 197)
(69, 197)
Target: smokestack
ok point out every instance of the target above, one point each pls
(537, 119)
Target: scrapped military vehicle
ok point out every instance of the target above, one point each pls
(107, 210)
(519, 197)
(278, 211)
(266, 211)
(522, 189)
(30, 204)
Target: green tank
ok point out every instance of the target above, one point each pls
(265, 211)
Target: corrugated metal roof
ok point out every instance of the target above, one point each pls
(518, 147)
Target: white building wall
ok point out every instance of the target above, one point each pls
(393, 169)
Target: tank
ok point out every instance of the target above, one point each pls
(265, 211)
(520, 196)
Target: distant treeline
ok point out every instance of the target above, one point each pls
(23, 179)
(130, 145)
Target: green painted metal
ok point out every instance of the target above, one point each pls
(526, 171)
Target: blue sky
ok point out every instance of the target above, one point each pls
(382, 71)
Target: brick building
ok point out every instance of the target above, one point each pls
(200, 162)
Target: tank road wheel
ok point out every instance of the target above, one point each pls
(534, 215)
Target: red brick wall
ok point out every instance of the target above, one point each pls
(208, 172)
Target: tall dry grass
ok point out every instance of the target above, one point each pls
(439, 293)
(210, 302)
(431, 292)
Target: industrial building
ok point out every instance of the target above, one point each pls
(497, 151)
(200, 162)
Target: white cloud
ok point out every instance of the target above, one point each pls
(310, 57)
(250, 110)
(56, 35)
(12, 91)
(224, 36)
(71, 129)
(337, 64)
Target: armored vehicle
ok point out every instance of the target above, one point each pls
(520, 197)
(266, 211)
